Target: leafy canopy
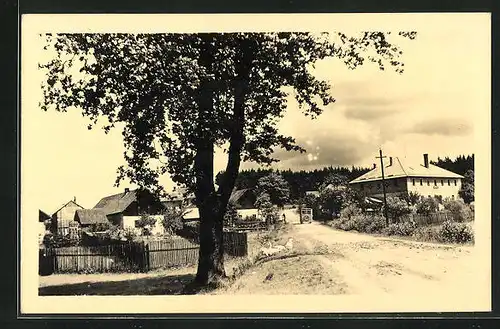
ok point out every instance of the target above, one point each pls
(150, 85)
(276, 187)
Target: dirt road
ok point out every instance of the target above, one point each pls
(338, 262)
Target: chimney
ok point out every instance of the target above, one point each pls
(127, 190)
(426, 160)
(390, 161)
(74, 199)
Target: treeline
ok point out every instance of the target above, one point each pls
(460, 165)
(299, 181)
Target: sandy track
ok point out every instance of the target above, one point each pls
(374, 265)
(360, 264)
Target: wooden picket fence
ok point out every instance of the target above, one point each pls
(437, 218)
(132, 257)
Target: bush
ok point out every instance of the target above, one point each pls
(58, 241)
(452, 232)
(350, 211)
(459, 210)
(360, 222)
(146, 224)
(404, 228)
(231, 215)
(173, 219)
(427, 206)
(397, 208)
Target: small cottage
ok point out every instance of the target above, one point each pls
(125, 209)
(63, 218)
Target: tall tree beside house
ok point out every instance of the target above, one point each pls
(180, 96)
(467, 190)
(275, 187)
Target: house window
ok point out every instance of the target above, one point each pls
(442, 182)
(435, 183)
(421, 183)
(413, 181)
(428, 183)
(449, 182)
(379, 186)
(455, 181)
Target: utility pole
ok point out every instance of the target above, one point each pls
(383, 185)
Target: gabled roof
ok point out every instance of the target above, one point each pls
(90, 216)
(66, 204)
(42, 215)
(399, 169)
(116, 203)
(236, 195)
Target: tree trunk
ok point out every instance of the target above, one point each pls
(211, 255)
(212, 204)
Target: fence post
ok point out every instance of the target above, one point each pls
(146, 253)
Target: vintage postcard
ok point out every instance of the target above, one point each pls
(255, 163)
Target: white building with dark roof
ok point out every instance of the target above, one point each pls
(400, 178)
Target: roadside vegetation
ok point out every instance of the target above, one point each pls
(422, 221)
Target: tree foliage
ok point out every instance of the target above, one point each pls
(231, 215)
(397, 208)
(177, 97)
(427, 206)
(467, 190)
(275, 187)
(146, 223)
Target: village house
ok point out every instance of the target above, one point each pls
(425, 179)
(125, 209)
(62, 220)
(89, 217)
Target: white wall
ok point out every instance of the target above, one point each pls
(129, 223)
(444, 190)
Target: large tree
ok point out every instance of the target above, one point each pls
(178, 97)
(276, 187)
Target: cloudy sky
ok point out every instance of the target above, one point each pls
(431, 108)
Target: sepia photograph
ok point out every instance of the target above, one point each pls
(255, 163)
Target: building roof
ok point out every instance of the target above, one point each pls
(400, 169)
(116, 203)
(65, 205)
(90, 216)
(42, 215)
(236, 195)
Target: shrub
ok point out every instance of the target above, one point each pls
(231, 215)
(404, 228)
(397, 208)
(427, 206)
(350, 211)
(360, 222)
(51, 240)
(412, 198)
(375, 223)
(99, 227)
(452, 232)
(459, 210)
(426, 233)
(173, 219)
(146, 224)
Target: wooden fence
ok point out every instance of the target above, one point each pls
(132, 257)
(439, 218)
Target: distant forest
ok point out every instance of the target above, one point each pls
(299, 181)
(302, 181)
(459, 166)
